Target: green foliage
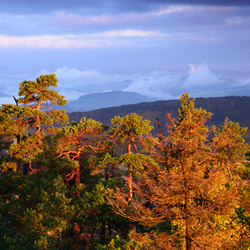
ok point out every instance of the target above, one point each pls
(142, 164)
(35, 91)
(37, 96)
(188, 190)
(229, 141)
(83, 128)
(38, 207)
(32, 109)
(119, 244)
(236, 108)
(129, 127)
(27, 149)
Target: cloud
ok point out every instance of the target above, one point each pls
(50, 41)
(130, 33)
(157, 84)
(245, 82)
(74, 82)
(198, 82)
(41, 6)
(69, 73)
(63, 28)
(200, 77)
(95, 40)
(166, 18)
(73, 73)
(71, 19)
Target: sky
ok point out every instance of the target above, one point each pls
(157, 48)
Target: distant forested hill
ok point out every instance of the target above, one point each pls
(235, 108)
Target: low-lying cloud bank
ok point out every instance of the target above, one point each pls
(199, 81)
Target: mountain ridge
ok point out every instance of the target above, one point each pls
(105, 99)
(236, 108)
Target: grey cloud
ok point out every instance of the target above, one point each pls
(41, 6)
(74, 17)
(187, 19)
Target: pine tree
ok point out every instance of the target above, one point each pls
(191, 196)
(130, 132)
(230, 145)
(38, 96)
(34, 109)
(73, 140)
(231, 152)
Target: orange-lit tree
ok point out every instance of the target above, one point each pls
(73, 140)
(192, 194)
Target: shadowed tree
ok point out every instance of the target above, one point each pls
(15, 124)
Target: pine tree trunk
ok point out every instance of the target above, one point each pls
(188, 236)
(77, 179)
(130, 177)
(130, 183)
(77, 175)
(38, 125)
(19, 163)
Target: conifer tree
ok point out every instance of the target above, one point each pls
(190, 196)
(230, 145)
(39, 98)
(14, 126)
(73, 140)
(130, 132)
(232, 152)
(34, 109)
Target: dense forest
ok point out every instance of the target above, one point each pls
(236, 108)
(89, 185)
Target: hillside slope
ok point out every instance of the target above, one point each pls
(235, 108)
(105, 99)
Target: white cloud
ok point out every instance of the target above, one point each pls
(157, 84)
(68, 73)
(95, 40)
(246, 82)
(172, 9)
(74, 73)
(74, 82)
(70, 19)
(200, 77)
(52, 42)
(131, 33)
(198, 81)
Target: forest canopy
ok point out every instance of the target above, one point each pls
(86, 185)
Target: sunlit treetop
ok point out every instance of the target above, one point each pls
(38, 91)
(130, 126)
